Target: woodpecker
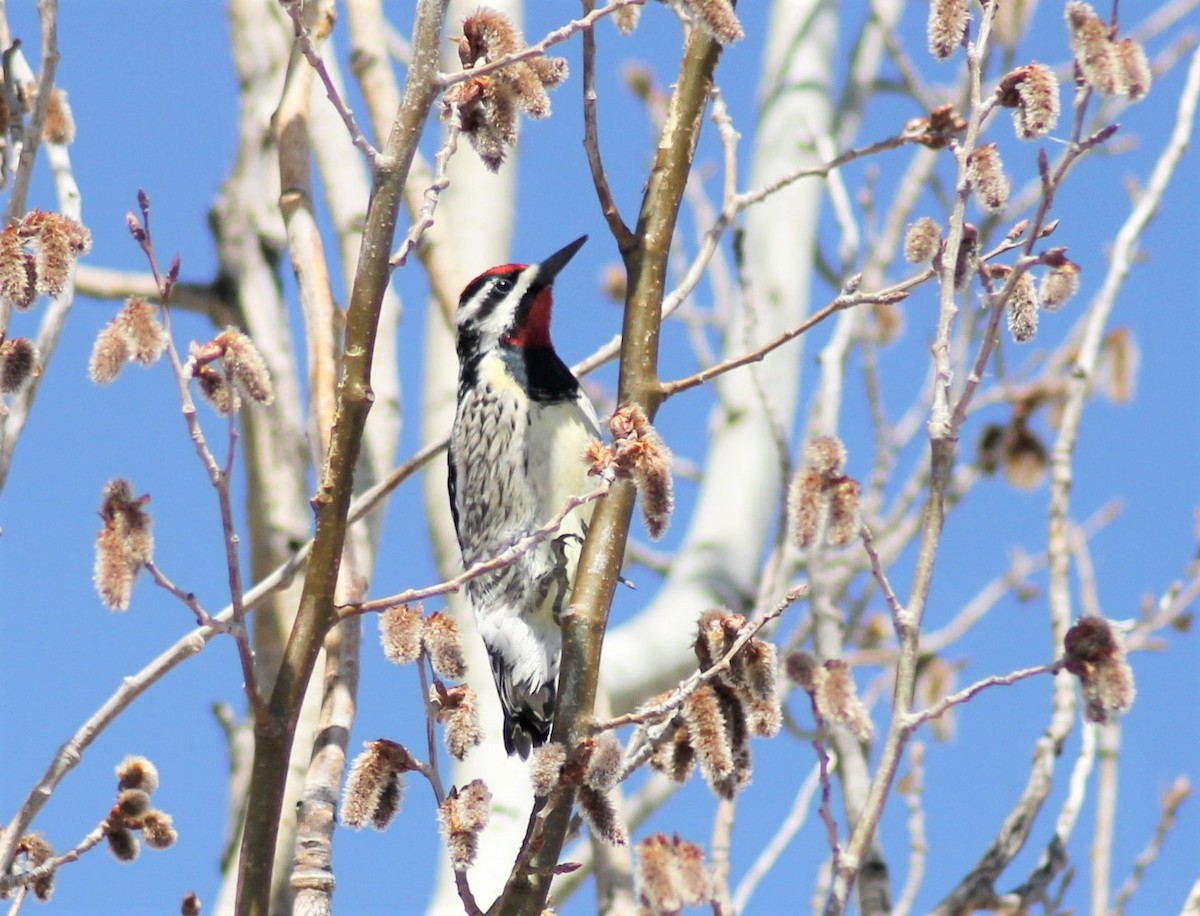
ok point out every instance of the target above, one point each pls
(516, 456)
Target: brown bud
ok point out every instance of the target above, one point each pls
(190, 905)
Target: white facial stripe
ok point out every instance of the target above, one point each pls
(499, 319)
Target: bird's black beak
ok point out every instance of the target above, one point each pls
(550, 267)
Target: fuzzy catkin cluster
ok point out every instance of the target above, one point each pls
(463, 814)
(405, 633)
(490, 105)
(1093, 654)
(671, 874)
(18, 361)
(375, 785)
(593, 768)
(1109, 66)
(1017, 450)
(229, 368)
(638, 453)
(830, 686)
(719, 716)
(123, 545)
(137, 780)
(38, 254)
(822, 501)
(1031, 91)
(134, 335)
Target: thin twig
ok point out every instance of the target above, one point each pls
(897, 292)
(915, 719)
(917, 844)
(661, 710)
(217, 477)
(1179, 792)
(307, 47)
(203, 618)
(775, 847)
(500, 561)
(433, 193)
(561, 34)
(432, 773)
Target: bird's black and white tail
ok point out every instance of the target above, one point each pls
(528, 709)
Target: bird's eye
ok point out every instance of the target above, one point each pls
(503, 284)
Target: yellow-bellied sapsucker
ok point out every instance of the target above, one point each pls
(516, 457)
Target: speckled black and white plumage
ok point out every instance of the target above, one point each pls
(516, 455)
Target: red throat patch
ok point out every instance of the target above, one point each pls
(535, 330)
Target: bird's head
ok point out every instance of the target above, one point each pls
(511, 304)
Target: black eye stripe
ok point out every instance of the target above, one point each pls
(495, 290)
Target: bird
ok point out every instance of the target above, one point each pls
(521, 427)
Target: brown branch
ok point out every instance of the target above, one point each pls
(600, 564)
(889, 296)
(317, 611)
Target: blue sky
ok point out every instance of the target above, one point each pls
(153, 92)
